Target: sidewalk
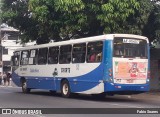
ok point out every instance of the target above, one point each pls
(154, 92)
(12, 85)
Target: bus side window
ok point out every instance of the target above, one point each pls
(94, 51)
(24, 57)
(79, 52)
(65, 54)
(15, 58)
(42, 56)
(53, 55)
(33, 57)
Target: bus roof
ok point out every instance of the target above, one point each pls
(87, 39)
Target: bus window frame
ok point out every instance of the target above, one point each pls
(18, 60)
(27, 58)
(63, 60)
(96, 53)
(46, 55)
(54, 54)
(35, 59)
(81, 52)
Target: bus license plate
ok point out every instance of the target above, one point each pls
(130, 81)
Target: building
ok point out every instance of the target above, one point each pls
(9, 42)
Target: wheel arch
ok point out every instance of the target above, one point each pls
(64, 79)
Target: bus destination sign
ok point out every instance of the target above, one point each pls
(134, 41)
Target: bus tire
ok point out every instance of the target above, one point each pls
(65, 89)
(24, 87)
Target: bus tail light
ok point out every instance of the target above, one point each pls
(148, 76)
(110, 72)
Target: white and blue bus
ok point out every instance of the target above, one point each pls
(106, 64)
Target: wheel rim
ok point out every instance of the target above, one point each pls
(65, 89)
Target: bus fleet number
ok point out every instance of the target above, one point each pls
(65, 70)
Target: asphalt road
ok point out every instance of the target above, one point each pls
(12, 97)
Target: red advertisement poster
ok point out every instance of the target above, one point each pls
(130, 69)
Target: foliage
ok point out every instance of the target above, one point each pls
(15, 13)
(136, 23)
(81, 18)
(59, 20)
(152, 28)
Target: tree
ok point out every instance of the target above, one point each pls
(136, 23)
(152, 28)
(81, 18)
(15, 13)
(59, 20)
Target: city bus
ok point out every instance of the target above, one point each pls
(99, 65)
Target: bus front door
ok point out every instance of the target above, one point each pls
(55, 73)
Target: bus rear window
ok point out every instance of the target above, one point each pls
(130, 48)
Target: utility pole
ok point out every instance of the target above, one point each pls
(1, 38)
(2, 81)
(1, 62)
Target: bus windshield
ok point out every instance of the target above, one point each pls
(130, 48)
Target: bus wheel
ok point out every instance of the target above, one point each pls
(24, 87)
(65, 89)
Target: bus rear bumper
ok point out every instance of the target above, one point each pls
(125, 88)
